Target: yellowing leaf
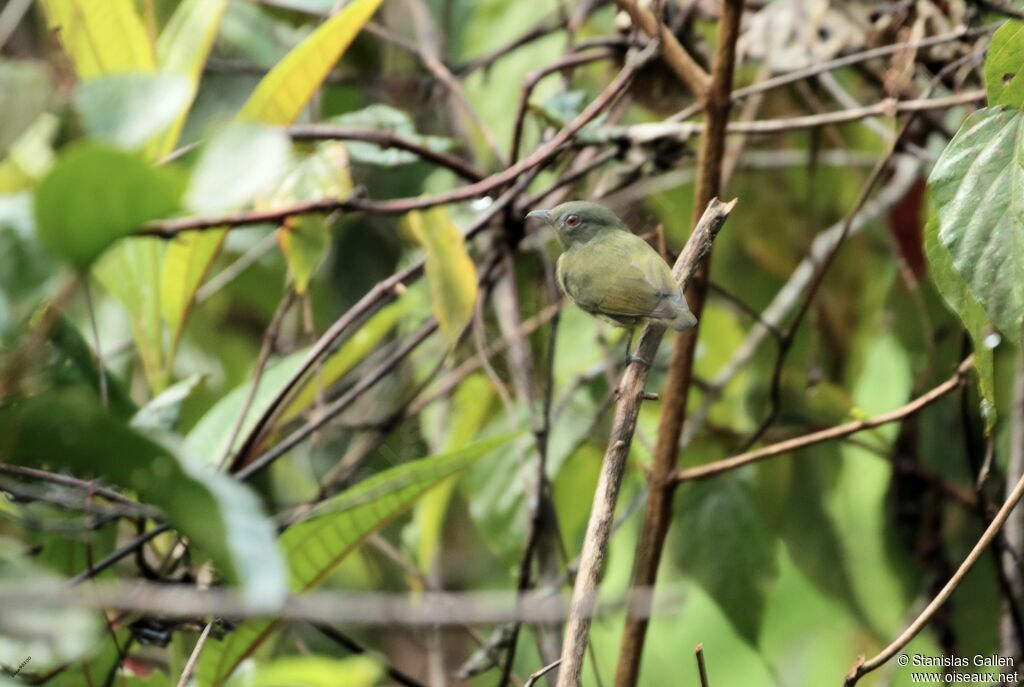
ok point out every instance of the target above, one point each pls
(182, 49)
(126, 271)
(186, 262)
(283, 93)
(105, 37)
(304, 241)
(338, 364)
(450, 271)
(332, 531)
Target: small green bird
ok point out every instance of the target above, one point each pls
(610, 272)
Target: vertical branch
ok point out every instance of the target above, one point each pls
(627, 409)
(1010, 643)
(658, 511)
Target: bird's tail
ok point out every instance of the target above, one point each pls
(683, 320)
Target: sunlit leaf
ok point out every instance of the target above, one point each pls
(187, 259)
(182, 49)
(727, 547)
(125, 272)
(127, 110)
(977, 187)
(163, 411)
(960, 300)
(101, 37)
(283, 93)
(468, 414)
(30, 157)
(240, 163)
(95, 195)
(333, 530)
(209, 438)
(348, 355)
(305, 240)
(450, 271)
(1004, 65)
(220, 515)
(26, 89)
(315, 671)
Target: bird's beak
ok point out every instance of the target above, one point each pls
(542, 215)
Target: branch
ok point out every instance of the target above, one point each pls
(658, 509)
(861, 667)
(674, 54)
(631, 392)
(831, 434)
(398, 206)
(385, 139)
(683, 131)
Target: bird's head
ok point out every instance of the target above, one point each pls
(578, 221)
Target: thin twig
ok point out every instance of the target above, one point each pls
(862, 667)
(627, 410)
(385, 139)
(831, 434)
(657, 515)
(186, 674)
(537, 675)
(672, 52)
(702, 669)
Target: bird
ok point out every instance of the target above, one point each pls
(610, 272)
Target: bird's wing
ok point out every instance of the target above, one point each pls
(619, 275)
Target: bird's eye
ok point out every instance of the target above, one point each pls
(572, 221)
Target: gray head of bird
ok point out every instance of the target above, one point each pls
(578, 221)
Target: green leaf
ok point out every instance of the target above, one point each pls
(25, 92)
(283, 93)
(728, 549)
(809, 531)
(960, 300)
(352, 352)
(96, 195)
(389, 119)
(333, 530)
(315, 671)
(75, 365)
(1004, 65)
(126, 272)
(162, 413)
(469, 413)
(209, 437)
(182, 49)
(30, 157)
(240, 163)
(450, 271)
(128, 110)
(220, 515)
(186, 262)
(978, 190)
(101, 37)
(305, 240)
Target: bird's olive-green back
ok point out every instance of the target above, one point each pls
(618, 275)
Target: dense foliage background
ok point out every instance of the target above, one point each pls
(281, 358)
